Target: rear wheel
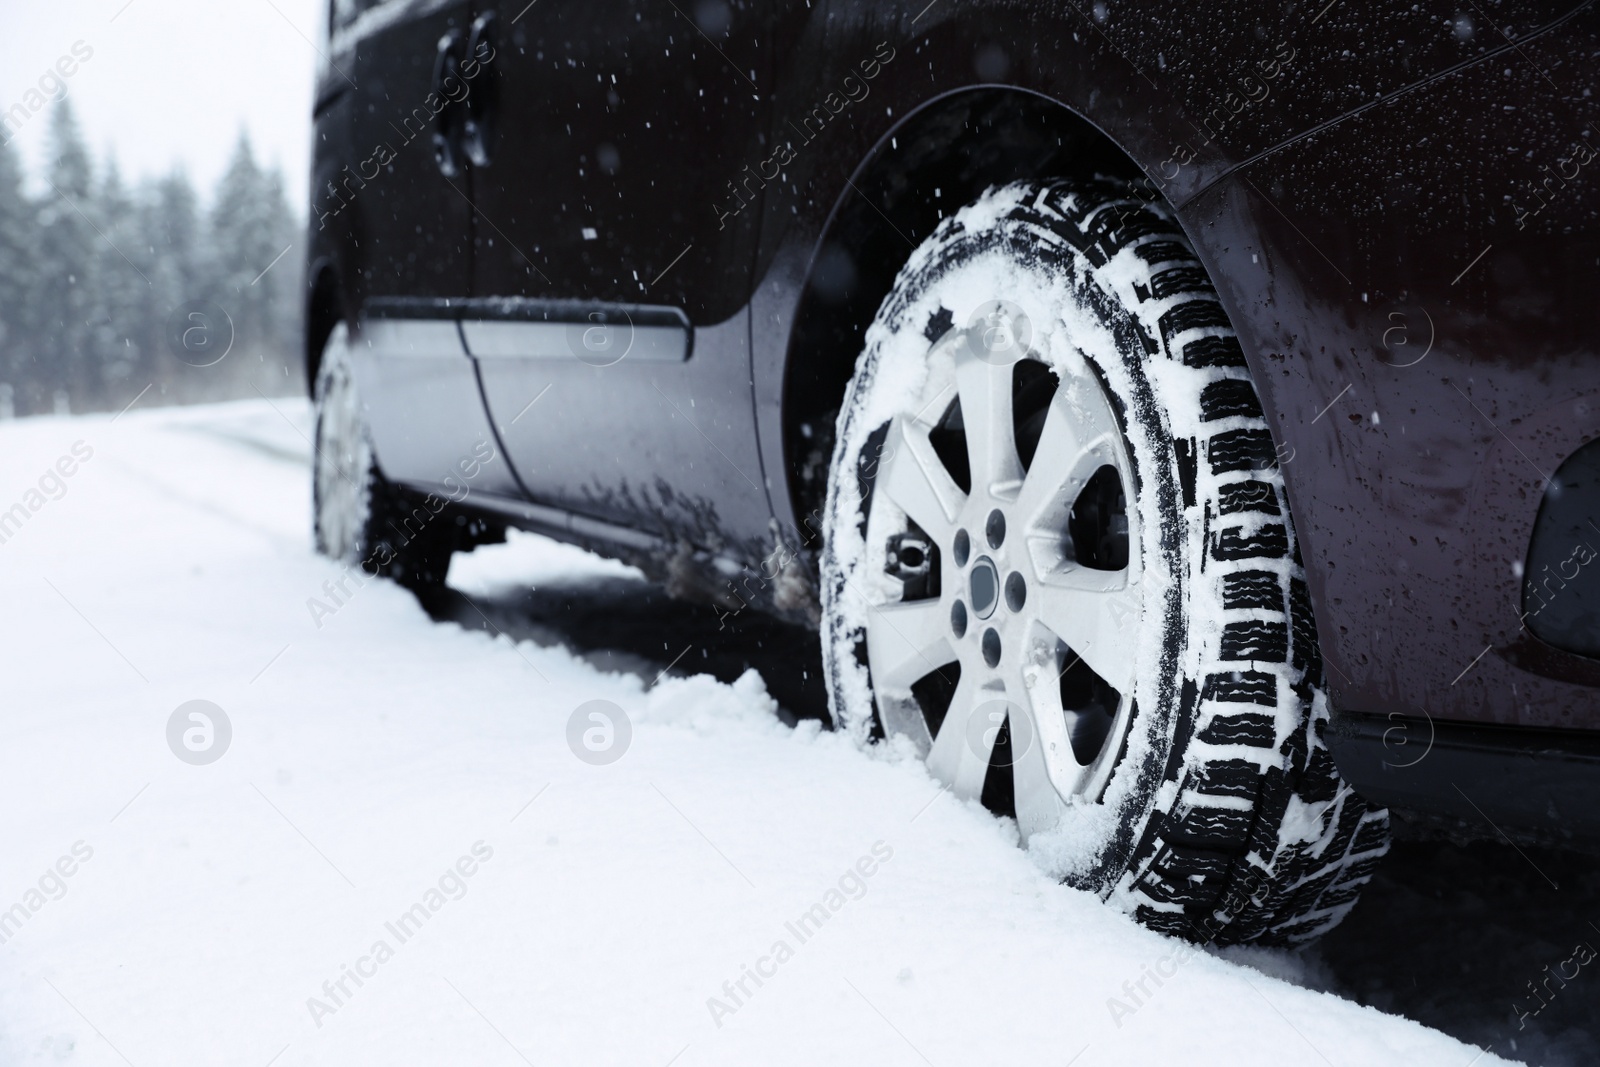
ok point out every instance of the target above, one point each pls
(361, 518)
(1059, 560)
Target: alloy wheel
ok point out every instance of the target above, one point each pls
(1002, 632)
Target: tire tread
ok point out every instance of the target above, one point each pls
(1232, 874)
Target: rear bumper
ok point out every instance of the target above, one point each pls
(1528, 785)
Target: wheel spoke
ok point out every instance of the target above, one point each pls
(1097, 614)
(1077, 440)
(906, 641)
(985, 391)
(1044, 771)
(913, 477)
(955, 759)
(1039, 805)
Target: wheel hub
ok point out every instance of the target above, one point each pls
(984, 583)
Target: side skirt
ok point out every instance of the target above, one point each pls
(1503, 783)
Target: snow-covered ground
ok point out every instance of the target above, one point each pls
(560, 911)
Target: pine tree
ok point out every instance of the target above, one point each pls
(90, 274)
(17, 236)
(170, 234)
(170, 226)
(121, 298)
(250, 227)
(64, 282)
(286, 281)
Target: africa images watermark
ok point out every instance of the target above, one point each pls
(774, 570)
(1537, 591)
(1583, 954)
(455, 88)
(52, 485)
(851, 885)
(411, 527)
(337, 992)
(52, 87)
(51, 882)
(199, 732)
(852, 90)
(599, 732)
(1543, 191)
(1252, 88)
(1204, 929)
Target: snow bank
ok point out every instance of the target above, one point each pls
(232, 912)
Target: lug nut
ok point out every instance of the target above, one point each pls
(983, 584)
(991, 647)
(995, 528)
(1016, 591)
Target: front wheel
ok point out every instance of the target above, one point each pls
(1059, 560)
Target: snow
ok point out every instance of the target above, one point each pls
(383, 764)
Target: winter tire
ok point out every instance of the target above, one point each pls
(361, 518)
(1058, 559)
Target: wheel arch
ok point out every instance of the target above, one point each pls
(324, 311)
(931, 163)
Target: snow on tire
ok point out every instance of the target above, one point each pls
(359, 518)
(1058, 559)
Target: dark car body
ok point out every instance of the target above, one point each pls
(1397, 203)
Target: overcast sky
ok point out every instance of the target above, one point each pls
(171, 81)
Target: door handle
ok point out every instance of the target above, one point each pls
(483, 92)
(450, 120)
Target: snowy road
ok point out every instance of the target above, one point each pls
(400, 860)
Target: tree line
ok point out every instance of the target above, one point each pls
(106, 289)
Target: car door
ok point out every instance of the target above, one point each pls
(406, 210)
(615, 230)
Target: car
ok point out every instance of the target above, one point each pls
(1179, 424)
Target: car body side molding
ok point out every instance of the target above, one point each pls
(1532, 786)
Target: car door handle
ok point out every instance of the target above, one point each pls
(483, 91)
(448, 86)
